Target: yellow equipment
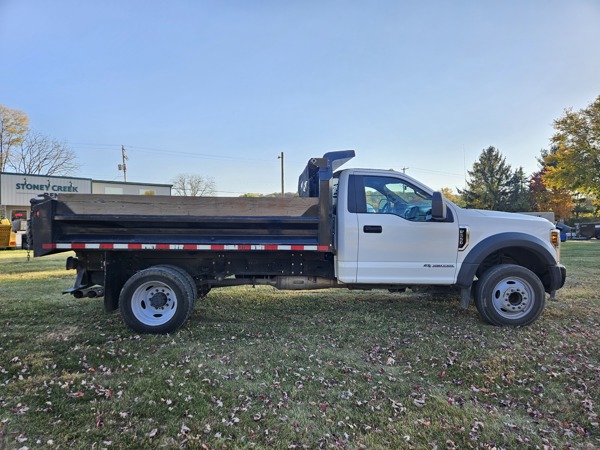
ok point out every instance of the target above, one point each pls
(8, 238)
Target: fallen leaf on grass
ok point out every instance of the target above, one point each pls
(77, 394)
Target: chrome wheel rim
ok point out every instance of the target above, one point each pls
(513, 298)
(154, 303)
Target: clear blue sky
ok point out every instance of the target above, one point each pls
(220, 88)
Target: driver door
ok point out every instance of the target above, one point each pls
(398, 241)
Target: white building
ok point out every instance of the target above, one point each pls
(17, 189)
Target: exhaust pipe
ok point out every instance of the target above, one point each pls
(95, 292)
(92, 292)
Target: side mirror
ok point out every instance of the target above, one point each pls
(438, 207)
(16, 225)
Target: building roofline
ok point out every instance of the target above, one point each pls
(132, 183)
(126, 183)
(45, 176)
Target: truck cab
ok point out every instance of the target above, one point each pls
(388, 232)
(393, 230)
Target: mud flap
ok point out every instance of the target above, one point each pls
(465, 297)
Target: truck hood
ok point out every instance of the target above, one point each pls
(485, 223)
(499, 215)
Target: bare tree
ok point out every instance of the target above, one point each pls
(40, 155)
(14, 125)
(189, 185)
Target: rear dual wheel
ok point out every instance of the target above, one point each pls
(157, 300)
(186, 276)
(199, 291)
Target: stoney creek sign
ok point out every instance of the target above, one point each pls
(49, 187)
(18, 189)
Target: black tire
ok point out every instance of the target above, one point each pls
(199, 292)
(510, 295)
(186, 276)
(156, 300)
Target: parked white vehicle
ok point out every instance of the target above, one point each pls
(152, 257)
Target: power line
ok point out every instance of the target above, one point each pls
(159, 151)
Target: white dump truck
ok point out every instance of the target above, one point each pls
(153, 257)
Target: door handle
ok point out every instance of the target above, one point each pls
(373, 229)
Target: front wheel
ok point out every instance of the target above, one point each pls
(156, 300)
(510, 295)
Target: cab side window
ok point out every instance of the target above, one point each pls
(388, 195)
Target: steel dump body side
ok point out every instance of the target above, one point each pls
(218, 241)
(108, 222)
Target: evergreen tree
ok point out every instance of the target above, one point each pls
(519, 197)
(490, 181)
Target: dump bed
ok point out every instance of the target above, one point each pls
(139, 222)
(82, 221)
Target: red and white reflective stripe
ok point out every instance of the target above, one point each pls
(213, 247)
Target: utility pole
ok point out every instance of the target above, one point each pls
(282, 185)
(123, 166)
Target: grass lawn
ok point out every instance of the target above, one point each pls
(322, 369)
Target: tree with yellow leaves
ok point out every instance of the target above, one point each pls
(14, 125)
(574, 163)
(25, 151)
